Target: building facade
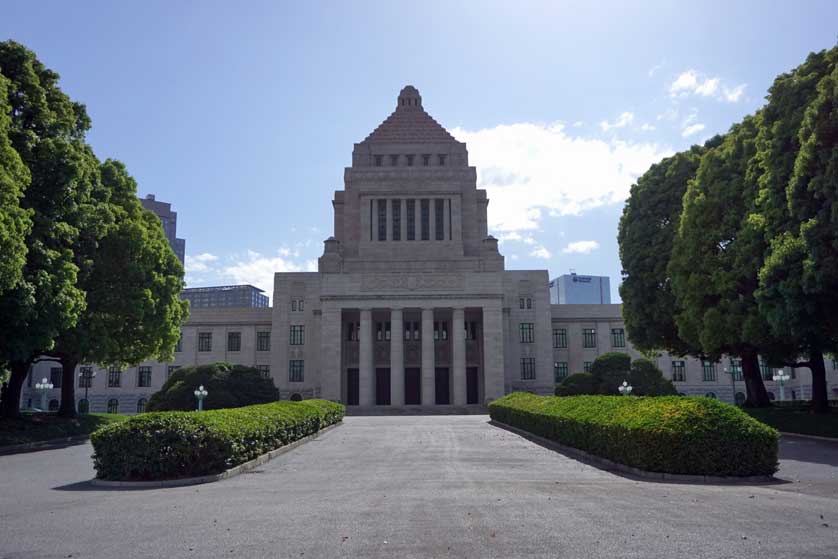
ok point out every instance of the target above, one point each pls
(411, 305)
(574, 289)
(225, 296)
(168, 218)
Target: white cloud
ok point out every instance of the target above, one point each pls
(541, 252)
(692, 129)
(528, 167)
(581, 247)
(578, 123)
(258, 269)
(654, 69)
(692, 82)
(622, 121)
(646, 127)
(199, 262)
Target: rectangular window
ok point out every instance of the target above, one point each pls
(528, 368)
(559, 371)
(526, 330)
(439, 219)
(426, 159)
(297, 334)
(521, 303)
(144, 377)
(411, 219)
(441, 330)
(678, 371)
(353, 330)
(293, 305)
(295, 370)
(471, 330)
(265, 370)
(300, 305)
(529, 303)
(382, 331)
(708, 371)
(234, 341)
(736, 369)
(205, 341)
(410, 160)
(425, 219)
(618, 337)
(86, 377)
(397, 219)
(263, 341)
(382, 220)
(55, 376)
(766, 371)
(394, 160)
(560, 337)
(114, 377)
(171, 369)
(179, 344)
(588, 337)
(587, 366)
(442, 160)
(378, 160)
(417, 331)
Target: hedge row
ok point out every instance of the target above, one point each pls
(672, 434)
(170, 445)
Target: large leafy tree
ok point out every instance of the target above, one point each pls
(47, 131)
(132, 280)
(799, 212)
(647, 230)
(15, 221)
(716, 258)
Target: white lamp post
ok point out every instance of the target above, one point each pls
(201, 394)
(625, 388)
(780, 377)
(44, 386)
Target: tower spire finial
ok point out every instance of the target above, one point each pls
(409, 98)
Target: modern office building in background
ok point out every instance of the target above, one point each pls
(169, 219)
(573, 289)
(225, 296)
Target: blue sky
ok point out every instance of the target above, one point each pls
(243, 114)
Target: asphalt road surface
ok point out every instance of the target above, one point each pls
(419, 486)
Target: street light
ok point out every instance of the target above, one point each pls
(780, 377)
(625, 388)
(87, 373)
(201, 394)
(44, 386)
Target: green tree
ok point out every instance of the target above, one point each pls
(647, 379)
(609, 370)
(577, 385)
(799, 212)
(47, 131)
(229, 386)
(132, 280)
(647, 230)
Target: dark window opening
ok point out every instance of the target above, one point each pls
(425, 219)
(411, 220)
(439, 219)
(394, 160)
(442, 159)
(397, 219)
(426, 159)
(382, 220)
(410, 160)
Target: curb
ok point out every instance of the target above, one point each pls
(38, 445)
(812, 437)
(609, 465)
(240, 469)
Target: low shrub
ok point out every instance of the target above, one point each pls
(609, 370)
(229, 386)
(697, 436)
(170, 445)
(647, 379)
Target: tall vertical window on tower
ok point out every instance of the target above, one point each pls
(410, 158)
(382, 220)
(439, 218)
(442, 160)
(397, 219)
(378, 159)
(426, 219)
(411, 219)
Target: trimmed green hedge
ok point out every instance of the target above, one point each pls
(170, 445)
(672, 434)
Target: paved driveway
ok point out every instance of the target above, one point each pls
(403, 487)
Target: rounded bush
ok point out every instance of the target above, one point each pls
(609, 370)
(647, 380)
(695, 436)
(575, 385)
(229, 386)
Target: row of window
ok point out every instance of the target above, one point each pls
(234, 341)
(589, 337)
(84, 405)
(409, 159)
(412, 330)
(708, 370)
(297, 305)
(379, 208)
(525, 303)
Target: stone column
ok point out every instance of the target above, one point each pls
(458, 356)
(493, 373)
(428, 358)
(366, 377)
(330, 345)
(396, 357)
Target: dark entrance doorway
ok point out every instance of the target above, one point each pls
(352, 384)
(382, 387)
(412, 386)
(443, 392)
(471, 386)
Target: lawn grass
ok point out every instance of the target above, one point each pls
(34, 427)
(797, 420)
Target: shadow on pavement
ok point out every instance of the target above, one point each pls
(812, 451)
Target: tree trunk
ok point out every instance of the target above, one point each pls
(10, 407)
(757, 396)
(820, 398)
(68, 386)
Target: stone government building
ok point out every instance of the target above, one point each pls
(411, 304)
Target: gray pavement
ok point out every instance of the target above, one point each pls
(423, 486)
